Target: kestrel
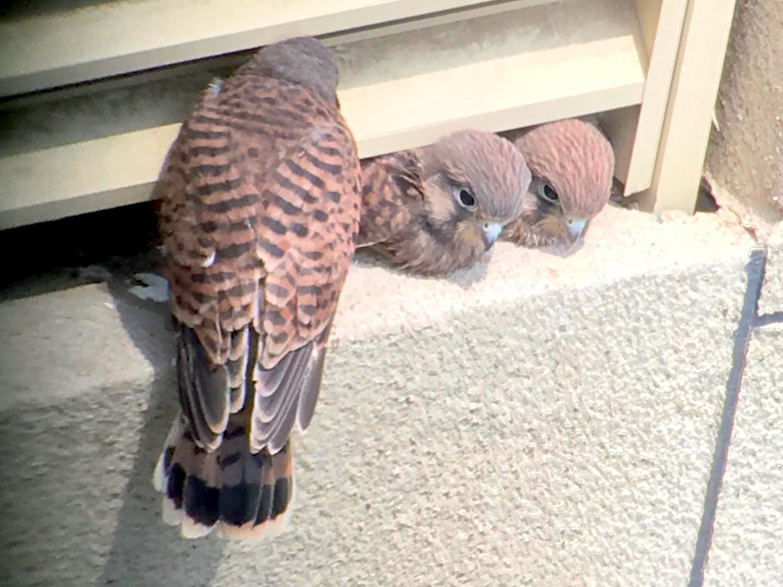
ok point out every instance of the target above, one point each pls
(260, 208)
(573, 166)
(439, 208)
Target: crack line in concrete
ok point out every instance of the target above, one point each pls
(756, 267)
(772, 318)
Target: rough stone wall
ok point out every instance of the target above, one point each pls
(745, 156)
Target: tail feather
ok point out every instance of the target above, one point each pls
(247, 496)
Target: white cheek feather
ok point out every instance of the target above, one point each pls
(209, 260)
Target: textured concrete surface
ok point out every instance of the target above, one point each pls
(536, 421)
(749, 524)
(746, 548)
(772, 294)
(746, 155)
(39, 365)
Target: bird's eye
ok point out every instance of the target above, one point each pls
(549, 194)
(467, 199)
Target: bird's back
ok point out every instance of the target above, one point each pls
(260, 216)
(237, 174)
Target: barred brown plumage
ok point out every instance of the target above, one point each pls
(573, 165)
(259, 218)
(440, 208)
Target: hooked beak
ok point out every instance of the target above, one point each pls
(576, 227)
(492, 231)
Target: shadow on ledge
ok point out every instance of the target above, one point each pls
(144, 550)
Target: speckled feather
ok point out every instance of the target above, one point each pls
(391, 189)
(577, 160)
(260, 215)
(409, 213)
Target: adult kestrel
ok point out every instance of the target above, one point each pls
(260, 215)
(572, 165)
(439, 208)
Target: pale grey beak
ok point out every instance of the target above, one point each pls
(576, 227)
(492, 232)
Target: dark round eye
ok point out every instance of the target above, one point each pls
(549, 193)
(466, 199)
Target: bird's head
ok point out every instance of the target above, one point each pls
(573, 166)
(300, 60)
(473, 186)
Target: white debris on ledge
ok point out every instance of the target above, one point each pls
(155, 287)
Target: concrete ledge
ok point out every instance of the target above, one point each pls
(60, 345)
(746, 546)
(749, 524)
(772, 294)
(538, 421)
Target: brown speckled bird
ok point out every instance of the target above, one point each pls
(572, 165)
(439, 208)
(259, 216)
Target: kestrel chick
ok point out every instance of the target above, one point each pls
(439, 208)
(572, 165)
(261, 194)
